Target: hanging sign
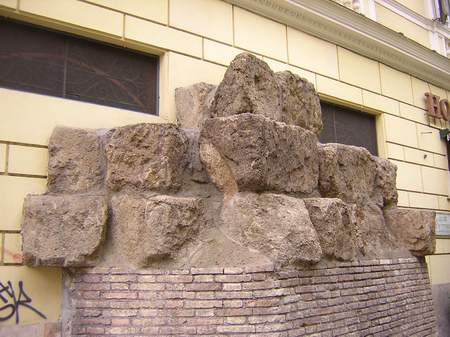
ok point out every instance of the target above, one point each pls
(437, 107)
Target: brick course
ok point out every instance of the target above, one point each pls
(376, 298)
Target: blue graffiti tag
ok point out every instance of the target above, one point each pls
(12, 303)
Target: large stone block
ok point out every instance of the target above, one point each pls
(193, 104)
(63, 230)
(413, 228)
(149, 230)
(335, 223)
(250, 86)
(376, 240)
(76, 161)
(352, 174)
(146, 157)
(385, 192)
(300, 104)
(195, 169)
(346, 172)
(277, 226)
(259, 154)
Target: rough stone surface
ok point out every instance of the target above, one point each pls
(148, 230)
(220, 172)
(193, 104)
(261, 154)
(195, 169)
(335, 223)
(75, 160)
(300, 104)
(64, 230)
(275, 225)
(385, 192)
(413, 228)
(146, 157)
(352, 174)
(346, 172)
(376, 240)
(249, 86)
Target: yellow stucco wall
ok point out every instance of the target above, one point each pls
(195, 43)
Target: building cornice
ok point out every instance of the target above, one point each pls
(337, 24)
(409, 14)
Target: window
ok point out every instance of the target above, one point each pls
(346, 126)
(441, 10)
(50, 63)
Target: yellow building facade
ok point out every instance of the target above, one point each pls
(378, 57)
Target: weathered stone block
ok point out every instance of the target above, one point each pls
(148, 230)
(300, 104)
(385, 192)
(249, 86)
(335, 223)
(275, 225)
(75, 160)
(64, 230)
(352, 174)
(146, 157)
(259, 154)
(375, 238)
(346, 172)
(413, 228)
(193, 104)
(195, 168)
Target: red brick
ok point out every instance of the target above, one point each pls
(207, 271)
(236, 329)
(232, 286)
(174, 278)
(119, 295)
(202, 304)
(233, 278)
(147, 278)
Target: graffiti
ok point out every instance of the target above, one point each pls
(12, 303)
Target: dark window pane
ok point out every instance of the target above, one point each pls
(45, 62)
(126, 80)
(30, 59)
(328, 135)
(350, 127)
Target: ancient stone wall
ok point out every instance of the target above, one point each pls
(390, 297)
(176, 220)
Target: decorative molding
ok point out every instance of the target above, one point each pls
(337, 24)
(420, 20)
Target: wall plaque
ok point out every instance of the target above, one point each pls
(443, 224)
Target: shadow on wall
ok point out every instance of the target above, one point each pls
(441, 300)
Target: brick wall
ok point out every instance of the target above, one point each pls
(376, 297)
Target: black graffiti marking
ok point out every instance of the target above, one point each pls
(12, 303)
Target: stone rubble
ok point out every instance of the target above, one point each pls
(243, 164)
